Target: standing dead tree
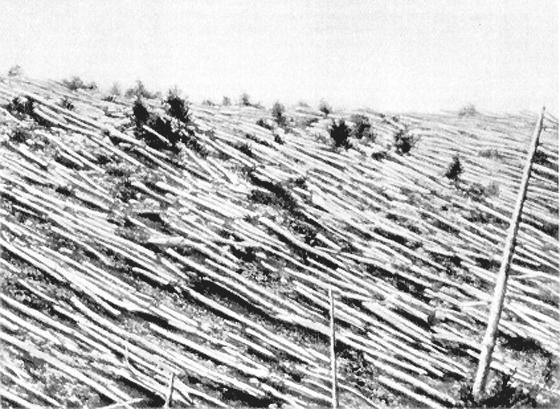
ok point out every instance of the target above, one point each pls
(333, 352)
(496, 307)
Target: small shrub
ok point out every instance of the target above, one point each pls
(467, 111)
(115, 90)
(276, 196)
(490, 153)
(208, 103)
(303, 104)
(478, 191)
(75, 83)
(339, 133)
(493, 189)
(278, 139)
(263, 123)
(454, 169)
(245, 100)
(172, 131)
(379, 155)
(245, 148)
(140, 91)
(21, 105)
(362, 127)
(541, 158)
(226, 101)
(140, 112)
(501, 394)
(325, 108)
(161, 126)
(66, 103)
(15, 71)
(20, 135)
(403, 141)
(177, 107)
(278, 113)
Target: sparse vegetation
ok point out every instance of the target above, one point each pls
(490, 153)
(21, 105)
(140, 91)
(76, 83)
(163, 133)
(245, 148)
(67, 103)
(503, 393)
(177, 107)
(541, 158)
(275, 195)
(245, 100)
(454, 169)
(20, 135)
(150, 260)
(478, 191)
(15, 71)
(340, 132)
(468, 110)
(263, 123)
(226, 101)
(403, 141)
(279, 113)
(362, 127)
(325, 108)
(115, 90)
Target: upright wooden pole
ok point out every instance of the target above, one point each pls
(489, 340)
(333, 354)
(169, 396)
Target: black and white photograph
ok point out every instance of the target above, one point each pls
(291, 204)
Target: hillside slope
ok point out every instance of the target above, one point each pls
(122, 263)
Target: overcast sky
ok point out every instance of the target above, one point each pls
(389, 55)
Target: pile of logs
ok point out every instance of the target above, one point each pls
(185, 275)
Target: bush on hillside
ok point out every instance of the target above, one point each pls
(362, 127)
(340, 132)
(15, 71)
(177, 107)
(140, 91)
(20, 105)
(245, 100)
(66, 103)
(263, 123)
(403, 141)
(75, 83)
(467, 110)
(164, 133)
(278, 113)
(325, 108)
(454, 169)
(115, 90)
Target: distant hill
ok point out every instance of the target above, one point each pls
(144, 237)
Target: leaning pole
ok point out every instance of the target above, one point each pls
(487, 346)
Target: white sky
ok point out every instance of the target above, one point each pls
(389, 55)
